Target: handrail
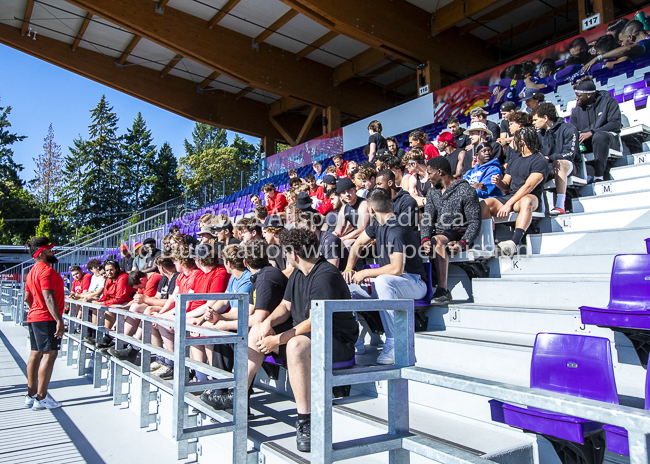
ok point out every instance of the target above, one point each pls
(398, 440)
(183, 428)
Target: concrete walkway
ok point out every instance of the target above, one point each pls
(87, 429)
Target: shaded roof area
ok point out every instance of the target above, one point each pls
(270, 67)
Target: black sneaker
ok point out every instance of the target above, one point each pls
(107, 342)
(90, 340)
(217, 400)
(303, 435)
(441, 297)
(125, 354)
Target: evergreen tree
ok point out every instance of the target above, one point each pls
(204, 137)
(44, 227)
(102, 182)
(48, 171)
(249, 156)
(15, 201)
(199, 169)
(137, 163)
(166, 184)
(72, 199)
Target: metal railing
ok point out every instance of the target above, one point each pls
(186, 429)
(398, 441)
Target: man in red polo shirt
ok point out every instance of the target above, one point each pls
(341, 166)
(275, 201)
(81, 282)
(45, 297)
(117, 291)
(314, 190)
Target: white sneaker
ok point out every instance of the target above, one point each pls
(387, 355)
(359, 347)
(29, 401)
(45, 403)
(155, 366)
(508, 248)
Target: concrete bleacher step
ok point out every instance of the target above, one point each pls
(591, 204)
(559, 291)
(599, 220)
(641, 168)
(615, 240)
(625, 185)
(637, 158)
(539, 265)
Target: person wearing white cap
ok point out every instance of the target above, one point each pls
(478, 132)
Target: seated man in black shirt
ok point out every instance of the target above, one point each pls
(353, 216)
(287, 331)
(330, 246)
(401, 273)
(404, 206)
(521, 186)
(267, 288)
(271, 229)
(223, 228)
(559, 147)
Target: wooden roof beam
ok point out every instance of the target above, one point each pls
(537, 21)
(399, 29)
(492, 15)
(316, 44)
(208, 80)
(311, 118)
(129, 48)
(82, 31)
(400, 82)
(456, 11)
(281, 129)
(28, 15)
(243, 92)
(267, 68)
(171, 65)
(283, 105)
(230, 4)
(358, 64)
(273, 28)
(173, 93)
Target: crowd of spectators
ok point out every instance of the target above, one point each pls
(350, 231)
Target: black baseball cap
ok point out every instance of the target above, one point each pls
(273, 221)
(329, 180)
(344, 184)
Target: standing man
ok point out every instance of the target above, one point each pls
(45, 297)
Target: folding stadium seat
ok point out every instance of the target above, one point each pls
(617, 441)
(574, 365)
(628, 311)
(647, 245)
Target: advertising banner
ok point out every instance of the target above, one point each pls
(306, 153)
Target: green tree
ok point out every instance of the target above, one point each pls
(44, 227)
(48, 173)
(16, 204)
(166, 185)
(249, 156)
(205, 136)
(136, 166)
(71, 201)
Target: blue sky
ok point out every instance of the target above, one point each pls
(40, 94)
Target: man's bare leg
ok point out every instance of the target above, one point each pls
(525, 208)
(45, 372)
(561, 170)
(299, 368)
(33, 364)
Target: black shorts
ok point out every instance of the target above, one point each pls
(453, 235)
(504, 198)
(41, 336)
(341, 351)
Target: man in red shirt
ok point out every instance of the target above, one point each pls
(117, 291)
(275, 201)
(314, 190)
(341, 166)
(44, 294)
(81, 282)
(417, 138)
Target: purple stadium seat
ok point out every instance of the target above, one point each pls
(426, 301)
(617, 436)
(647, 245)
(628, 311)
(574, 365)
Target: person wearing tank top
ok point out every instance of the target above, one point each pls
(418, 180)
(353, 216)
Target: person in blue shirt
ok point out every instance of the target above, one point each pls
(319, 174)
(480, 176)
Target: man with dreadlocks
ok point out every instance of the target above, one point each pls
(521, 185)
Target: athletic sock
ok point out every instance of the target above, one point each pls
(304, 416)
(599, 177)
(561, 198)
(518, 235)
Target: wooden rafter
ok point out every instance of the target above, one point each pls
(316, 44)
(27, 17)
(399, 29)
(129, 48)
(455, 11)
(273, 28)
(208, 80)
(82, 31)
(311, 118)
(171, 65)
(280, 128)
(243, 92)
(527, 25)
(385, 68)
(358, 64)
(230, 4)
(267, 68)
(162, 4)
(492, 15)
(283, 105)
(400, 82)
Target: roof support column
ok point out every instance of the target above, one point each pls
(331, 119)
(588, 8)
